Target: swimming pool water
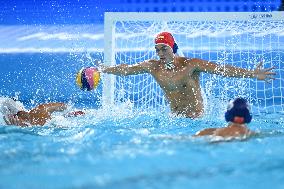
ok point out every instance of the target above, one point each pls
(122, 148)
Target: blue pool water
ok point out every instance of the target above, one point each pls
(122, 146)
(120, 149)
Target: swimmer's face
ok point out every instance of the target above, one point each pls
(164, 52)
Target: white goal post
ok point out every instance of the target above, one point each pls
(237, 38)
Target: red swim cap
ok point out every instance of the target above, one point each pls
(165, 38)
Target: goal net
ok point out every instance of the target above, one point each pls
(238, 39)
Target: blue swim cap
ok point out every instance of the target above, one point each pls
(238, 108)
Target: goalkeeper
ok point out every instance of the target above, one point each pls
(179, 77)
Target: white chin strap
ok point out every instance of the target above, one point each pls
(169, 66)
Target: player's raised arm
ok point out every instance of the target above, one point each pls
(230, 71)
(50, 107)
(125, 69)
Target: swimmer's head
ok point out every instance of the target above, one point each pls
(238, 111)
(166, 38)
(10, 106)
(23, 115)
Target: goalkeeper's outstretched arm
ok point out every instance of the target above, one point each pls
(125, 69)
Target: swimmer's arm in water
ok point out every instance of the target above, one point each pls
(124, 69)
(204, 132)
(50, 107)
(233, 131)
(230, 132)
(230, 71)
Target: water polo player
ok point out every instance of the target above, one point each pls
(13, 112)
(179, 77)
(238, 115)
